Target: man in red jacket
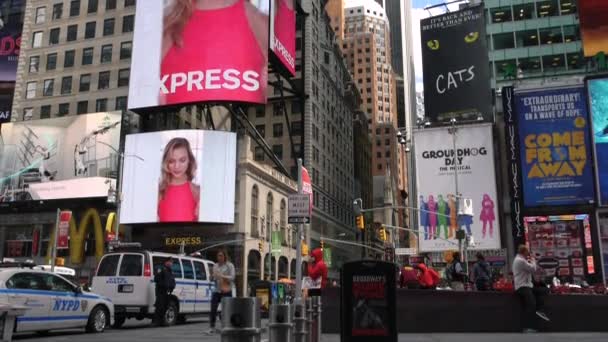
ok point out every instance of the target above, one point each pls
(428, 277)
(318, 268)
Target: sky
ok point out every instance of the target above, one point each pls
(418, 13)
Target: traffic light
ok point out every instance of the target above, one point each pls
(360, 222)
(383, 234)
(261, 246)
(304, 249)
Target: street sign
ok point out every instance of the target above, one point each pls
(298, 208)
(405, 251)
(63, 229)
(275, 243)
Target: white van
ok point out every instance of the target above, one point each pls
(127, 278)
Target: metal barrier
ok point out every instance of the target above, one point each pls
(280, 327)
(315, 333)
(310, 319)
(241, 320)
(300, 332)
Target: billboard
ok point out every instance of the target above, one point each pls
(555, 147)
(436, 182)
(59, 158)
(456, 85)
(283, 33)
(11, 25)
(179, 176)
(597, 90)
(187, 53)
(594, 26)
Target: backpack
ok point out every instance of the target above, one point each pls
(450, 272)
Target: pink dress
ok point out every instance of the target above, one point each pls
(178, 204)
(487, 210)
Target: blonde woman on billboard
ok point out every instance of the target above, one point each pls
(178, 196)
(214, 50)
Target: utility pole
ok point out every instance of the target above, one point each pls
(298, 298)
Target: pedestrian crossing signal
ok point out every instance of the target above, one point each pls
(360, 222)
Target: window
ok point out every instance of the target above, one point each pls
(523, 12)
(199, 268)
(104, 80)
(260, 111)
(37, 39)
(49, 86)
(89, 30)
(296, 107)
(40, 15)
(45, 112)
(568, 6)
(75, 8)
(92, 7)
(72, 33)
(54, 36)
(30, 281)
(108, 266)
(571, 33)
(176, 269)
(57, 11)
(110, 4)
(258, 154)
(131, 265)
(66, 85)
(64, 109)
(101, 105)
(125, 50)
(108, 27)
(128, 23)
(547, 8)
(501, 14)
(30, 90)
(34, 63)
(121, 103)
(87, 56)
(278, 151)
(554, 63)
(51, 61)
(106, 53)
(129, 3)
(527, 38)
(123, 77)
(85, 82)
(296, 128)
(68, 61)
(277, 130)
(528, 67)
(551, 35)
(262, 130)
(188, 269)
(503, 41)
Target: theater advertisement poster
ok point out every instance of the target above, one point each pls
(11, 25)
(370, 315)
(436, 181)
(555, 147)
(594, 26)
(598, 103)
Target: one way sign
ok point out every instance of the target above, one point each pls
(298, 208)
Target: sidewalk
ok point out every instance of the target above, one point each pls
(539, 337)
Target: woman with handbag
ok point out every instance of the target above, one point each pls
(223, 274)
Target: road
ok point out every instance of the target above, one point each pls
(135, 331)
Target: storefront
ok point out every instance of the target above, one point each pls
(602, 219)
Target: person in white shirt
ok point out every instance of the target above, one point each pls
(524, 267)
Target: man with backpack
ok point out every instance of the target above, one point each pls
(165, 284)
(455, 273)
(481, 273)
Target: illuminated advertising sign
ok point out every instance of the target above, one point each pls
(283, 33)
(555, 147)
(11, 25)
(594, 26)
(597, 90)
(189, 52)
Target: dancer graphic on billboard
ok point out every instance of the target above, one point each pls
(432, 217)
(453, 215)
(442, 217)
(424, 217)
(178, 196)
(487, 215)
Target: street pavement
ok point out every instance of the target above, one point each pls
(141, 331)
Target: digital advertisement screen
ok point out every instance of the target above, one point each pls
(283, 33)
(179, 176)
(594, 26)
(597, 89)
(189, 52)
(59, 158)
(11, 25)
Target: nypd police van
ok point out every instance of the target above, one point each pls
(128, 279)
(51, 301)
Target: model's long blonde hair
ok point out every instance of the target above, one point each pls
(176, 16)
(165, 175)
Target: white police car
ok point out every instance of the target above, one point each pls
(52, 302)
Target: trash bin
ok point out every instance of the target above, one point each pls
(8, 315)
(241, 320)
(281, 323)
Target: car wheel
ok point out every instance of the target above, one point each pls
(118, 322)
(98, 320)
(181, 319)
(171, 314)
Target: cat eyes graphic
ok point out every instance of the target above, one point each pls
(471, 37)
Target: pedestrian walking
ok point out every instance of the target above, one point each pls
(165, 284)
(223, 274)
(427, 277)
(532, 298)
(455, 273)
(481, 273)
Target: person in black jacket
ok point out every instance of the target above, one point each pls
(165, 283)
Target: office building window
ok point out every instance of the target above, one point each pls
(571, 33)
(551, 35)
(40, 15)
(101, 105)
(28, 113)
(30, 90)
(568, 6)
(104, 80)
(127, 23)
(129, 3)
(108, 27)
(66, 85)
(85, 82)
(68, 60)
(501, 14)
(547, 8)
(528, 67)
(260, 111)
(123, 77)
(57, 11)
(258, 154)
(575, 61)
(51, 61)
(49, 87)
(110, 4)
(121, 103)
(106, 53)
(278, 151)
(82, 107)
(524, 12)
(89, 30)
(277, 130)
(262, 130)
(125, 50)
(34, 63)
(54, 36)
(527, 38)
(503, 41)
(87, 56)
(45, 112)
(64, 109)
(72, 33)
(75, 8)
(554, 63)
(92, 7)
(296, 128)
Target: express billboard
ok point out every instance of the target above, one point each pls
(283, 33)
(438, 206)
(189, 52)
(66, 157)
(179, 176)
(11, 25)
(594, 26)
(597, 90)
(455, 66)
(555, 146)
